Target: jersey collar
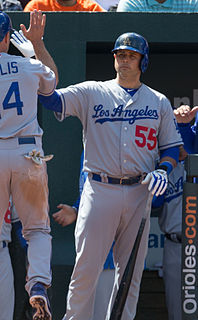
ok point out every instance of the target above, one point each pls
(130, 91)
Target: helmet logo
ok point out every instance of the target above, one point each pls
(134, 42)
(127, 42)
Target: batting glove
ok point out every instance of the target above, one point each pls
(22, 44)
(158, 181)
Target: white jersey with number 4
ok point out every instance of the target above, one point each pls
(20, 81)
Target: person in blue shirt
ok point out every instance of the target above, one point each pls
(158, 5)
(170, 223)
(67, 215)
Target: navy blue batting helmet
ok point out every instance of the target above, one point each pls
(134, 42)
(5, 24)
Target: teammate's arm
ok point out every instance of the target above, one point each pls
(169, 158)
(52, 102)
(25, 46)
(35, 34)
(184, 115)
(66, 215)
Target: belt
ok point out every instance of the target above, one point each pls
(175, 237)
(27, 140)
(3, 244)
(128, 181)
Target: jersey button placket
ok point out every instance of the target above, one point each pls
(124, 133)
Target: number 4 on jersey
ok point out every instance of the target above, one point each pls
(18, 104)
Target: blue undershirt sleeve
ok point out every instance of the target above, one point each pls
(52, 102)
(188, 136)
(173, 153)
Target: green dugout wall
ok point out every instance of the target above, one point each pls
(81, 44)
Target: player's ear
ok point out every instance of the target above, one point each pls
(7, 37)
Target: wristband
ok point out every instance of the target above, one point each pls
(167, 166)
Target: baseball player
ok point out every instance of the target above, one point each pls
(10, 259)
(23, 169)
(67, 215)
(125, 125)
(6, 278)
(10, 235)
(170, 222)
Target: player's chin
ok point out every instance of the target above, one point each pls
(124, 72)
(125, 67)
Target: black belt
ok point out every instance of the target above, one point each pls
(27, 140)
(128, 181)
(175, 237)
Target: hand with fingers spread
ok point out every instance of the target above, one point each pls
(184, 114)
(66, 215)
(36, 29)
(157, 180)
(35, 33)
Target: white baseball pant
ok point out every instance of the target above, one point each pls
(107, 212)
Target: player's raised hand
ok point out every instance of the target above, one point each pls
(184, 114)
(35, 33)
(36, 28)
(157, 181)
(66, 215)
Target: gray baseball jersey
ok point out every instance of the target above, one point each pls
(21, 80)
(122, 134)
(122, 137)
